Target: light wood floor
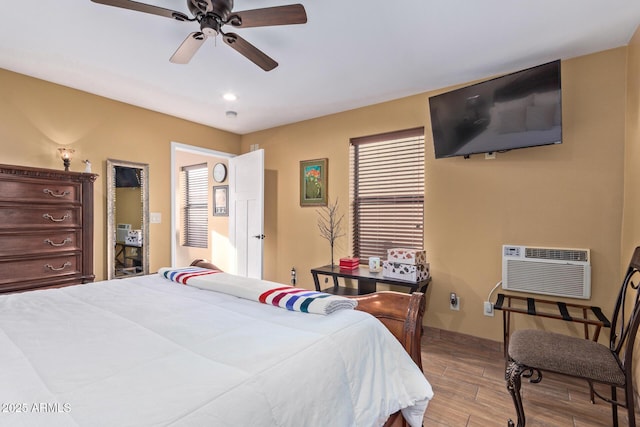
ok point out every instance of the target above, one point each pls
(467, 376)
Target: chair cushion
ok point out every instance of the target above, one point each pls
(573, 356)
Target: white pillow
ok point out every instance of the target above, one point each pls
(546, 98)
(514, 103)
(516, 108)
(540, 117)
(512, 120)
(550, 98)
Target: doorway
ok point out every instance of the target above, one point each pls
(217, 248)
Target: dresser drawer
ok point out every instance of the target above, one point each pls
(44, 268)
(44, 216)
(40, 191)
(46, 228)
(41, 242)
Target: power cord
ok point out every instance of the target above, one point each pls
(493, 290)
(488, 305)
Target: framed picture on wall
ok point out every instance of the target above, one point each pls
(221, 200)
(314, 182)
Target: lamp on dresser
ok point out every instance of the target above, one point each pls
(66, 154)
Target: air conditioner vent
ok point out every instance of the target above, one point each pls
(557, 254)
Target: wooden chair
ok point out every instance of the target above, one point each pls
(402, 314)
(533, 351)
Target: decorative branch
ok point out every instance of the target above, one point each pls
(330, 223)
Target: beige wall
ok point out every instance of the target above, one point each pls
(129, 207)
(631, 213)
(631, 220)
(36, 117)
(569, 195)
(219, 248)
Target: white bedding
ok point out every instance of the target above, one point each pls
(145, 351)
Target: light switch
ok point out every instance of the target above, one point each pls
(155, 217)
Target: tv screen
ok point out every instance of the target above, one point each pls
(127, 177)
(521, 109)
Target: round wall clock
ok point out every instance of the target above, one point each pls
(219, 172)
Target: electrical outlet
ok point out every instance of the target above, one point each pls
(454, 302)
(488, 308)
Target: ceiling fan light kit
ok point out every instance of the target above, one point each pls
(212, 15)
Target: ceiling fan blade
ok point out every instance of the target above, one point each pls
(279, 15)
(147, 8)
(251, 52)
(188, 48)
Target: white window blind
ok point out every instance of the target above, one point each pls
(387, 179)
(195, 196)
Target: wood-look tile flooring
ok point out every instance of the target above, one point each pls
(467, 376)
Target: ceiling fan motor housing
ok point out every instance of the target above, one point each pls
(210, 25)
(212, 14)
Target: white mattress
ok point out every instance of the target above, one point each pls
(144, 351)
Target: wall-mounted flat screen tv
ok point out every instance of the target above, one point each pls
(518, 110)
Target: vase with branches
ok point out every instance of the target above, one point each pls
(330, 224)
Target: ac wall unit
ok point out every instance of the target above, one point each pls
(548, 271)
(122, 231)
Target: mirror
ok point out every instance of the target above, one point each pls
(127, 219)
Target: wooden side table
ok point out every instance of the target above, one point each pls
(367, 281)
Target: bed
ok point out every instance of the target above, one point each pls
(146, 351)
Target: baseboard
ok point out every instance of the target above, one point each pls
(430, 333)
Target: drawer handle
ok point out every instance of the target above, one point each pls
(64, 242)
(56, 194)
(52, 268)
(47, 216)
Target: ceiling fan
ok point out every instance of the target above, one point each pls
(212, 15)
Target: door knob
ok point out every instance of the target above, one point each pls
(260, 236)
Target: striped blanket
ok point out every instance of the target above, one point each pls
(277, 294)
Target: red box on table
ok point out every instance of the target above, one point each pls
(349, 263)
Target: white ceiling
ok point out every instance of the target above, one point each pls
(351, 53)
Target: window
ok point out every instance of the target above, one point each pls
(387, 178)
(195, 198)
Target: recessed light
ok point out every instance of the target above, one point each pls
(230, 96)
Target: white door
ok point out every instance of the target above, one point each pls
(246, 213)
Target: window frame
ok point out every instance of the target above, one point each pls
(195, 205)
(374, 191)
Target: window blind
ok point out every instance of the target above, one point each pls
(195, 194)
(387, 192)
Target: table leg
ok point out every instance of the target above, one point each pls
(316, 281)
(366, 286)
(506, 320)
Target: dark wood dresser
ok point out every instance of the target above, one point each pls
(46, 228)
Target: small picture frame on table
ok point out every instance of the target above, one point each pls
(314, 180)
(221, 200)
